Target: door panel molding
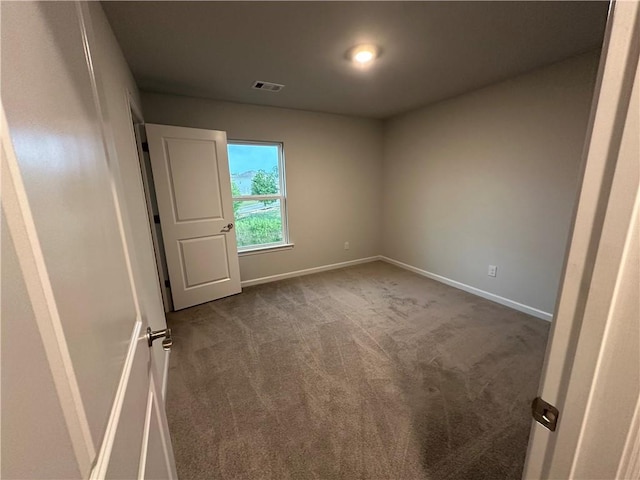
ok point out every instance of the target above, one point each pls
(630, 462)
(190, 177)
(192, 256)
(22, 229)
(137, 339)
(193, 189)
(104, 455)
(109, 153)
(155, 425)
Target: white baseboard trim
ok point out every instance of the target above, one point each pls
(467, 288)
(307, 271)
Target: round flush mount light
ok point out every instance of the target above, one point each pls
(363, 54)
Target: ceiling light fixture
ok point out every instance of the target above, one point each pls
(363, 54)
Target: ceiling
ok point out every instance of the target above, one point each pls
(430, 50)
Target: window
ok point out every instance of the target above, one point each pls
(258, 191)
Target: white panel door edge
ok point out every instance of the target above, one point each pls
(22, 229)
(193, 188)
(588, 309)
(80, 279)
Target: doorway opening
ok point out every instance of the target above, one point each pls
(152, 208)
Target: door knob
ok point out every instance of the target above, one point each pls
(166, 334)
(228, 228)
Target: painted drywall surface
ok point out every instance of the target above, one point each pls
(490, 178)
(333, 166)
(119, 90)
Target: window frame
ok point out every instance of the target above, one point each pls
(282, 197)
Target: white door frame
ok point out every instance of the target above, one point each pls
(595, 260)
(139, 135)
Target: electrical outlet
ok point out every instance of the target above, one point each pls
(346, 245)
(493, 271)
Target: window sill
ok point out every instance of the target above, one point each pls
(268, 249)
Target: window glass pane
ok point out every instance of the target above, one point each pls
(254, 169)
(257, 222)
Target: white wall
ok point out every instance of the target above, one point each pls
(490, 177)
(333, 166)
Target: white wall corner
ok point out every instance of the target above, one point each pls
(475, 291)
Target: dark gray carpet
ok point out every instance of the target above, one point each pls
(369, 372)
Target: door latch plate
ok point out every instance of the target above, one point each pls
(545, 414)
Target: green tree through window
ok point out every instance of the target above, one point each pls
(235, 192)
(258, 202)
(264, 183)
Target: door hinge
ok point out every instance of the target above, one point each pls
(145, 147)
(167, 283)
(545, 414)
(156, 219)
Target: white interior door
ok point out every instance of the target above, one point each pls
(80, 394)
(592, 369)
(193, 188)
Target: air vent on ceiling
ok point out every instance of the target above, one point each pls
(267, 86)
